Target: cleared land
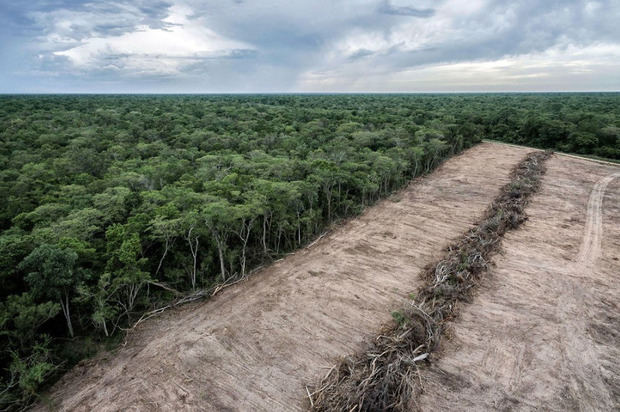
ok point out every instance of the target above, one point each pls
(256, 345)
(544, 330)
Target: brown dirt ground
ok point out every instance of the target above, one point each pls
(257, 344)
(543, 332)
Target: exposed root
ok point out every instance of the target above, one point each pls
(385, 376)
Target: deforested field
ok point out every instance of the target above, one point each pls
(257, 344)
(274, 206)
(541, 331)
(331, 252)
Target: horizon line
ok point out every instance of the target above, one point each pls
(305, 93)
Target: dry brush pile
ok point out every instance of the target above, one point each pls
(385, 376)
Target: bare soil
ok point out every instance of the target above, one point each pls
(257, 344)
(543, 333)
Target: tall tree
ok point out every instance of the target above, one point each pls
(52, 275)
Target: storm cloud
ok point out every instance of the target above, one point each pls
(388, 8)
(274, 45)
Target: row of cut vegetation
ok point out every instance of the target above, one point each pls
(386, 377)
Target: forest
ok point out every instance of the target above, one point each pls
(114, 205)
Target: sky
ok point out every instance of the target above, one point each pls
(256, 46)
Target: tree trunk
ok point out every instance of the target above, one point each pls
(244, 235)
(220, 253)
(193, 248)
(278, 242)
(328, 194)
(264, 238)
(195, 259)
(64, 304)
(161, 261)
(298, 229)
(194, 251)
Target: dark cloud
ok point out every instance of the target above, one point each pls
(93, 18)
(360, 53)
(387, 8)
(280, 42)
(510, 29)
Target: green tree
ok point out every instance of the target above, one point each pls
(52, 275)
(126, 266)
(219, 221)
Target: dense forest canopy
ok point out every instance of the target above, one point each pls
(113, 205)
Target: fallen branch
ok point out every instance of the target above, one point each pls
(196, 295)
(315, 241)
(165, 287)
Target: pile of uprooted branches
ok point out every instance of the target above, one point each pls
(385, 377)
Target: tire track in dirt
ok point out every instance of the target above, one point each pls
(591, 245)
(543, 331)
(573, 301)
(255, 345)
